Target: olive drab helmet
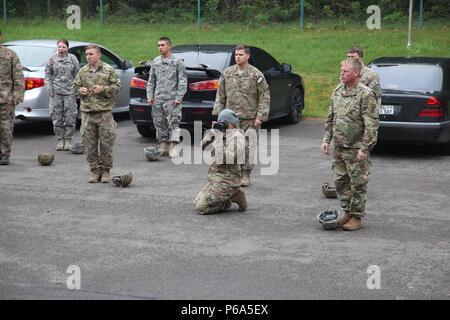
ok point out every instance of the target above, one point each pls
(329, 219)
(123, 180)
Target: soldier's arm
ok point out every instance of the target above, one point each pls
(221, 97)
(375, 85)
(18, 80)
(182, 80)
(48, 80)
(151, 83)
(263, 99)
(76, 66)
(369, 109)
(114, 84)
(328, 134)
(77, 84)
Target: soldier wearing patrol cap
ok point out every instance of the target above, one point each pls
(244, 87)
(223, 185)
(352, 123)
(11, 94)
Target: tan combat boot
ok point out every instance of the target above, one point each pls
(94, 178)
(354, 223)
(106, 177)
(173, 151)
(163, 149)
(245, 181)
(68, 144)
(343, 218)
(60, 145)
(239, 198)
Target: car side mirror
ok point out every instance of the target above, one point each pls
(127, 64)
(286, 67)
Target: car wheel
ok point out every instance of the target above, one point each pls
(296, 107)
(146, 131)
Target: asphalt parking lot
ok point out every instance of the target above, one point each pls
(146, 241)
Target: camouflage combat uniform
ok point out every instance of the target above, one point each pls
(97, 122)
(60, 72)
(352, 122)
(11, 94)
(224, 175)
(371, 79)
(167, 82)
(246, 93)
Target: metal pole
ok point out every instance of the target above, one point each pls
(198, 14)
(410, 23)
(421, 15)
(101, 12)
(302, 11)
(4, 11)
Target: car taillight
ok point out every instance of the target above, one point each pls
(432, 109)
(138, 83)
(32, 83)
(208, 85)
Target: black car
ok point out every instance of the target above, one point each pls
(204, 65)
(415, 101)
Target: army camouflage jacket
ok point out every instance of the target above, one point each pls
(60, 72)
(11, 77)
(105, 76)
(228, 156)
(247, 94)
(371, 79)
(167, 79)
(353, 118)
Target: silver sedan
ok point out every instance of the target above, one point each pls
(34, 54)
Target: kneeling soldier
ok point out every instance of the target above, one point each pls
(224, 174)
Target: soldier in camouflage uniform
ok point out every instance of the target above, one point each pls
(11, 94)
(224, 176)
(97, 84)
(352, 123)
(244, 87)
(167, 85)
(368, 77)
(60, 72)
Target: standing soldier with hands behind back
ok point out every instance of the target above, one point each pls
(352, 123)
(11, 94)
(167, 84)
(244, 87)
(97, 84)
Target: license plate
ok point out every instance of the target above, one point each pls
(386, 109)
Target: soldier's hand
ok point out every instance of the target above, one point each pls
(361, 156)
(98, 89)
(177, 102)
(326, 148)
(150, 101)
(257, 122)
(84, 91)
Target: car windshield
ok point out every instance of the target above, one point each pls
(409, 77)
(32, 56)
(213, 59)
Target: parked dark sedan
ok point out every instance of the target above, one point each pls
(204, 64)
(416, 100)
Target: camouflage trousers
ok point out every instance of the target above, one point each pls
(251, 143)
(98, 133)
(64, 112)
(166, 119)
(351, 180)
(214, 198)
(7, 115)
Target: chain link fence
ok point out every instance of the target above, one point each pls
(221, 11)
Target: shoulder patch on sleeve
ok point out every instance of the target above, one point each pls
(259, 80)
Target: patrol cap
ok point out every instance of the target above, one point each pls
(230, 116)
